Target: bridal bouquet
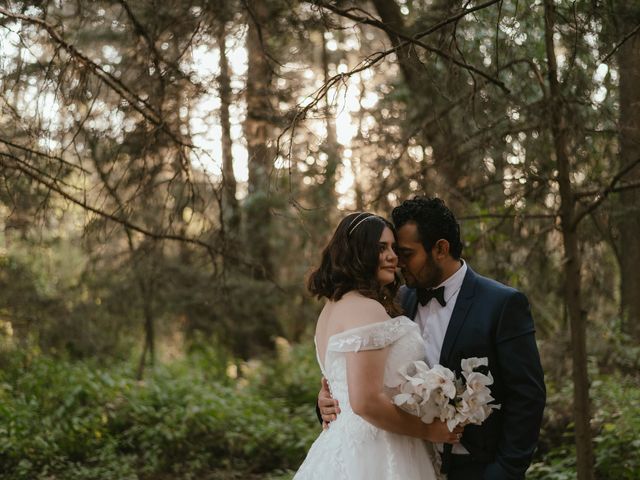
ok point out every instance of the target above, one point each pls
(436, 393)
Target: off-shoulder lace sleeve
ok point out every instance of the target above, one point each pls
(371, 337)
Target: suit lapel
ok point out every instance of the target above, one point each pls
(409, 302)
(459, 315)
(412, 306)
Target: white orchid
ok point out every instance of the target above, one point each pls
(404, 399)
(421, 367)
(436, 393)
(443, 378)
(475, 405)
(458, 419)
(470, 364)
(429, 411)
(477, 381)
(408, 402)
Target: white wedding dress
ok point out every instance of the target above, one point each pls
(351, 448)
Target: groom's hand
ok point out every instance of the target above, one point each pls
(329, 408)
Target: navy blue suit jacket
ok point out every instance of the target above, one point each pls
(494, 321)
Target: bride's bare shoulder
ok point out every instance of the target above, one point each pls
(354, 310)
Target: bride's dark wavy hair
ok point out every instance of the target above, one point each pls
(350, 262)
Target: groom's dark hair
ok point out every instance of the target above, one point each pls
(434, 221)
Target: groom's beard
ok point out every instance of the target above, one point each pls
(430, 276)
(434, 278)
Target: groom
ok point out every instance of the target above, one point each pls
(462, 315)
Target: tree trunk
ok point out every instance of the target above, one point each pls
(258, 132)
(577, 320)
(149, 329)
(331, 148)
(145, 282)
(629, 220)
(425, 87)
(230, 211)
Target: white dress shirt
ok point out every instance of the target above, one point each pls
(433, 320)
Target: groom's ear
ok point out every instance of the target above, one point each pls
(441, 248)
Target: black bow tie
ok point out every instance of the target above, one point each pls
(426, 294)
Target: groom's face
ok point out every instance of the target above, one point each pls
(419, 268)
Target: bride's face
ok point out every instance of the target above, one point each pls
(387, 260)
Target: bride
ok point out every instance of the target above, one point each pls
(361, 344)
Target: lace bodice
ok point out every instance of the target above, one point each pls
(400, 334)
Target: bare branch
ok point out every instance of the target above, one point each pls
(44, 155)
(140, 105)
(622, 42)
(415, 40)
(371, 20)
(603, 194)
(52, 184)
(37, 170)
(142, 32)
(524, 216)
(623, 187)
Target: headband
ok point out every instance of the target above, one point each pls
(357, 222)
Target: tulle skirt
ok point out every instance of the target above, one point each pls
(353, 449)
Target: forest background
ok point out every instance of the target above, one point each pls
(170, 171)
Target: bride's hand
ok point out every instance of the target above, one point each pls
(438, 432)
(329, 408)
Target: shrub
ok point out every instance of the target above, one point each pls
(66, 420)
(616, 402)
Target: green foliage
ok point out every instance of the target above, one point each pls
(64, 420)
(616, 402)
(194, 419)
(293, 375)
(55, 418)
